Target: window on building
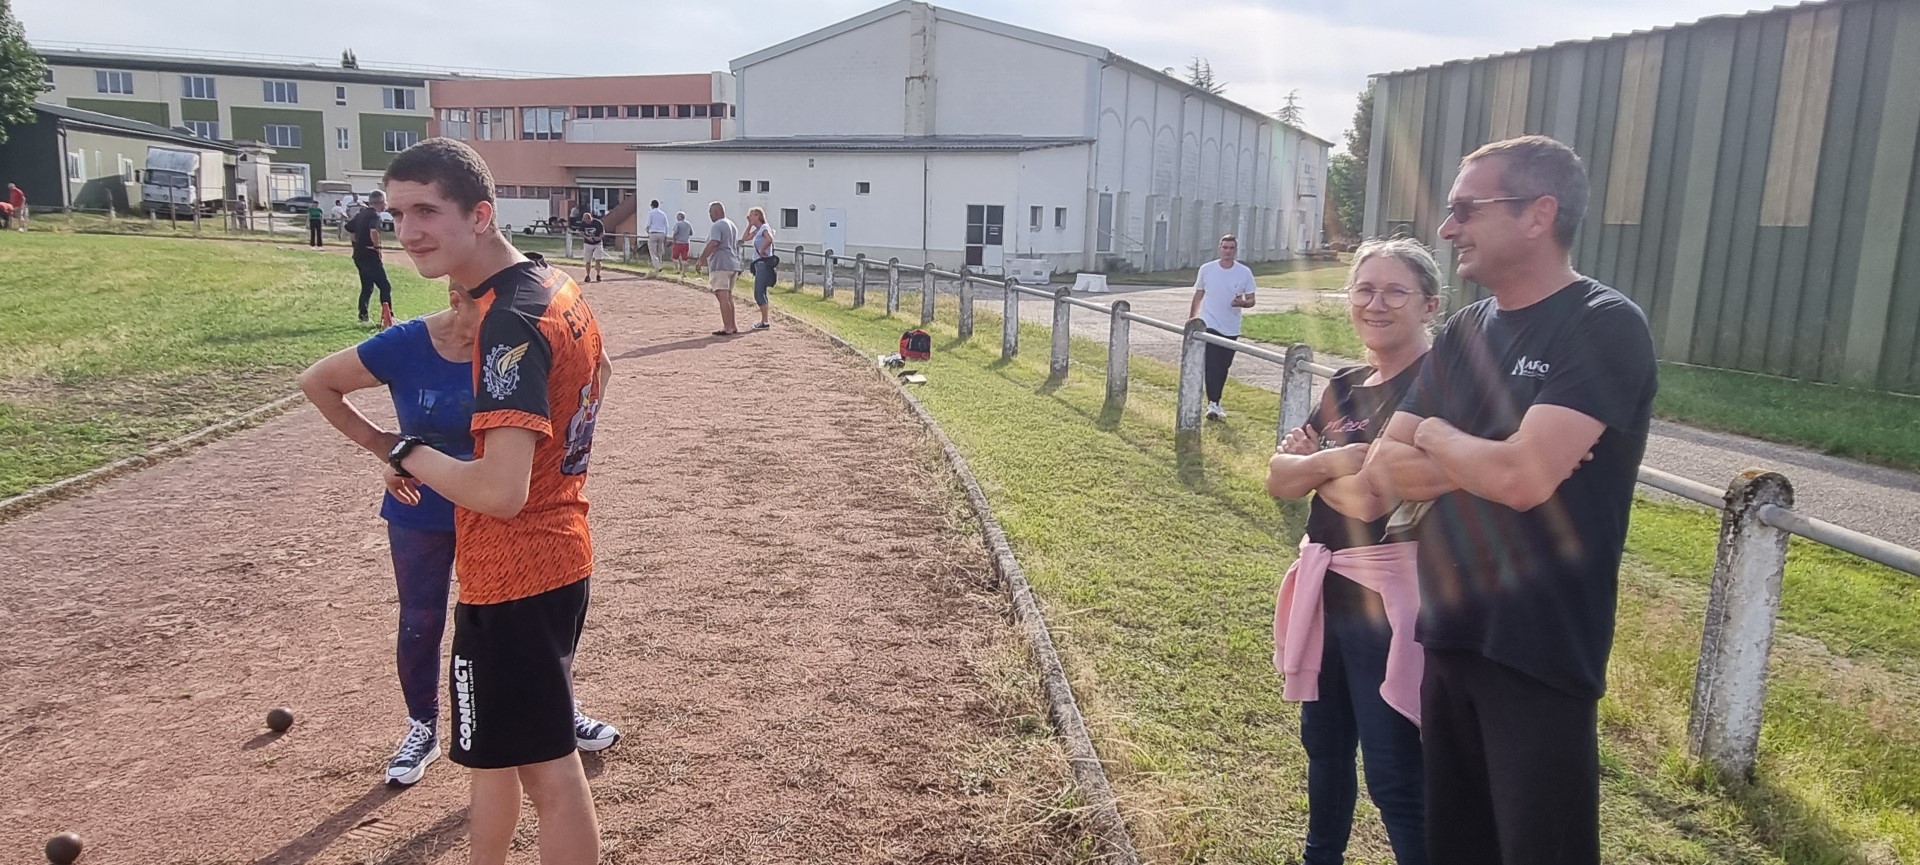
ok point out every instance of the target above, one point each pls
(746, 186)
(76, 165)
(126, 169)
(719, 109)
(699, 110)
(766, 186)
(1103, 239)
(339, 94)
(397, 140)
(107, 81)
(693, 186)
(399, 98)
(646, 111)
(733, 111)
(342, 138)
(663, 111)
(492, 124)
(543, 124)
(46, 77)
(789, 217)
(507, 191)
(1059, 217)
(281, 135)
(456, 123)
(208, 129)
(633, 111)
(861, 187)
(280, 91)
(683, 111)
(197, 87)
(1033, 217)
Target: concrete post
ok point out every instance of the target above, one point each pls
(1296, 390)
(966, 304)
(1009, 320)
(859, 280)
(926, 296)
(799, 267)
(1062, 333)
(827, 281)
(569, 236)
(1730, 683)
(1118, 336)
(1190, 399)
(893, 286)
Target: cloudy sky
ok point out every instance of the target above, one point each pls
(1262, 49)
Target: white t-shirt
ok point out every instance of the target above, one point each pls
(656, 221)
(760, 237)
(1222, 285)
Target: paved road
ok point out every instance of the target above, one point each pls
(1878, 501)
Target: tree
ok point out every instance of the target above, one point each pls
(1200, 74)
(1347, 172)
(23, 74)
(1291, 113)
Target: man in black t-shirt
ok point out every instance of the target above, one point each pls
(593, 233)
(1524, 432)
(364, 228)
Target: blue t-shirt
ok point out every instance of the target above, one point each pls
(433, 397)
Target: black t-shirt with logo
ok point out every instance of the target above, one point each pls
(1352, 412)
(592, 230)
(1536, 590)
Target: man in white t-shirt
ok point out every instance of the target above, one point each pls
(656, 235)
(1220, 290)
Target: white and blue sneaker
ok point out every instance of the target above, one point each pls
(592, 735)
(417, 751)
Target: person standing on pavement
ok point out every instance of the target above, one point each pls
(721, 258)
(593, 235)
(1220, 291)
(1525, 432)
(657, 229)
(364, 228)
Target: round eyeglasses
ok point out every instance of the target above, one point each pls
(1392, 296)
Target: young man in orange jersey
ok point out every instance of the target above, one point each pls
(523, 552)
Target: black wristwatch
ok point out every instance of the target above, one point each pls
(399, 453)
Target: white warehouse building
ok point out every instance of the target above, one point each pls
(931, 135)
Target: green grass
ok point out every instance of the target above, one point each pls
(1158, 577)
(1296, 274)
(1871, 426)
(109, 345)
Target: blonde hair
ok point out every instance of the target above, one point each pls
(1407, 251)
(755, 211)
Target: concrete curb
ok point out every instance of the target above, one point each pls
(38, 496)
(1089, 774)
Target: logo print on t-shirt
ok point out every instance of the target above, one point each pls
(501, 371)
(1529, 368)
(580, 434)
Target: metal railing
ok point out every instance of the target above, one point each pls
(1756, 508)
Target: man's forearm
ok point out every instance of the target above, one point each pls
(1488, 468)
(1402, 472)
(1290, 476)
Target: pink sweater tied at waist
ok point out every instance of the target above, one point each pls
(1299, 624)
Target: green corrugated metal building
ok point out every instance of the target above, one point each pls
(1755, 186)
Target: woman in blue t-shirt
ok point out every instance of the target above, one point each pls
(426, 364)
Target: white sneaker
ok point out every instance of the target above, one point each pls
(418, 749)
(1215, 412)
(592, 735)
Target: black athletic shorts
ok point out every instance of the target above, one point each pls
(512, 679)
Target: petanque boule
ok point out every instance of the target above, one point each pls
(63, 848)
(279, 718)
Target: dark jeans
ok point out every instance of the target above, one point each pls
(1513, 766)
(313, 232)
(423, 570)
(1219, 360)
(1351, 713)
(372, 273)
(763, 276)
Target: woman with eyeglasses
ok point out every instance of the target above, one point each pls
(1344, 617)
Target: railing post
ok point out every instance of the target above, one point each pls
(893, 286)
(926, 296)
(569, 235)
(859, 280)
(1190, 398)
(966, 304)
(1118, 337)
(1296, 390)
(1730, 683)
(1009, 319)
(826, 287)
(799, 267)
(1062, 333)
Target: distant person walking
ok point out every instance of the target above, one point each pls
(1221, 289)
(721, 258)
(682, 239)
(18, 198)
(314, 217)
(593, 234)
(657, 229)
(364, 227)
(765, 264)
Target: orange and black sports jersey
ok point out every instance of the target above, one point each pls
(534, 368)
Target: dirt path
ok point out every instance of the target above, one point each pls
(794, 638)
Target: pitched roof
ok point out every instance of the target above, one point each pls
(870, 144)
(141, 128)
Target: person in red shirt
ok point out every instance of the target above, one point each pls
(523, 551)
(18, 198)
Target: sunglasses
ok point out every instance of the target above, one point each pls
(1393, 296)
(1462, 211)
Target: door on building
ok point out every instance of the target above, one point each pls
(986, 237)
(1162, 238)
(833, 230)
